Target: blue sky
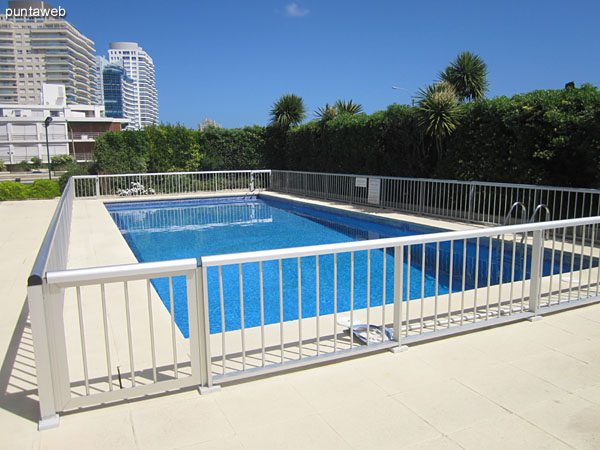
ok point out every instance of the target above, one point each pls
(230, 60)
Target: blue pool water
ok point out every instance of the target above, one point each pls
(167, 230)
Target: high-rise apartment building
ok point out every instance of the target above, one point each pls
(118, 92)
(36, 49)
(139, 67)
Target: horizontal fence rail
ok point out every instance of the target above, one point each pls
(136, 185)
(488, 203)
(105, 334)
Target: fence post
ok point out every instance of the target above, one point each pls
(536, 273)
(97, 186)
(43, 368)
(471, 199)
(204, 332)
(194, 325)
(398, 288)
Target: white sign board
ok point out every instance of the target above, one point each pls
(360, 182)
(374, 189)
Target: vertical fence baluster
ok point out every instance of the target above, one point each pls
(129, 336)
(335, 295)
(82, 338)
(281, 310)
(300, 310)
(262, 312)
(223, 326)
(173, 330)
(106, 341)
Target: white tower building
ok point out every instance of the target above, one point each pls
(140, 68)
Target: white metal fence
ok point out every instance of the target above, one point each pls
(472, 201)
(455, 281)
(103, 334)
(135, 185)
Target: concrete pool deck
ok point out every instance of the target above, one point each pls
(524, 385)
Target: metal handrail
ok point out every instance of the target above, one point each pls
(538, 208)
(515, 204)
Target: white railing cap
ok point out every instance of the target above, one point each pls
(125, 272)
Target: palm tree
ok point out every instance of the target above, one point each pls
(439, 112)
(288, 111)
(468, 74)
(345, 107)
(326, 113)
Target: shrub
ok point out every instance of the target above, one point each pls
(64, 178)
(36, 162)
(13, 190)
(63, 162)
(43, 189)
(2, 166)
(20, 167)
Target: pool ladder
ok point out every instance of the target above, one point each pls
(515, 205)
(537, 209)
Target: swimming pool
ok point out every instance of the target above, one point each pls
(165, 230)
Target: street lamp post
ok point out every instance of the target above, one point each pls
(46, 124)
(412, 98)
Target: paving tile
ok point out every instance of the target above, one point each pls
(180, 424)
(572, 420)
(310, 432)
(336, 385)
(591, 394)
(381, 423)
(454, 358)
(574, 324)
(398, 372)
(100, 429)
(561, 370)
(448, 405)
(504, 432)
(441, 443)
(227, 443)
(510, 387)
(551, 336)
(494, 344)
(586, 351)
(256, 403)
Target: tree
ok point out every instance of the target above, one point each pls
(288, 111)
(340, 107)
(345, 107)
(468, 75)
(325, 114)
(439, 112)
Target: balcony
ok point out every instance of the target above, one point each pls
(85, 135)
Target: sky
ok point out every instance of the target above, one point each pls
(230, 60)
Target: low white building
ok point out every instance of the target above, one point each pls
(73, 128)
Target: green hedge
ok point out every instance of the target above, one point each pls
(543, 137)
(13, 190)
(173, 148)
